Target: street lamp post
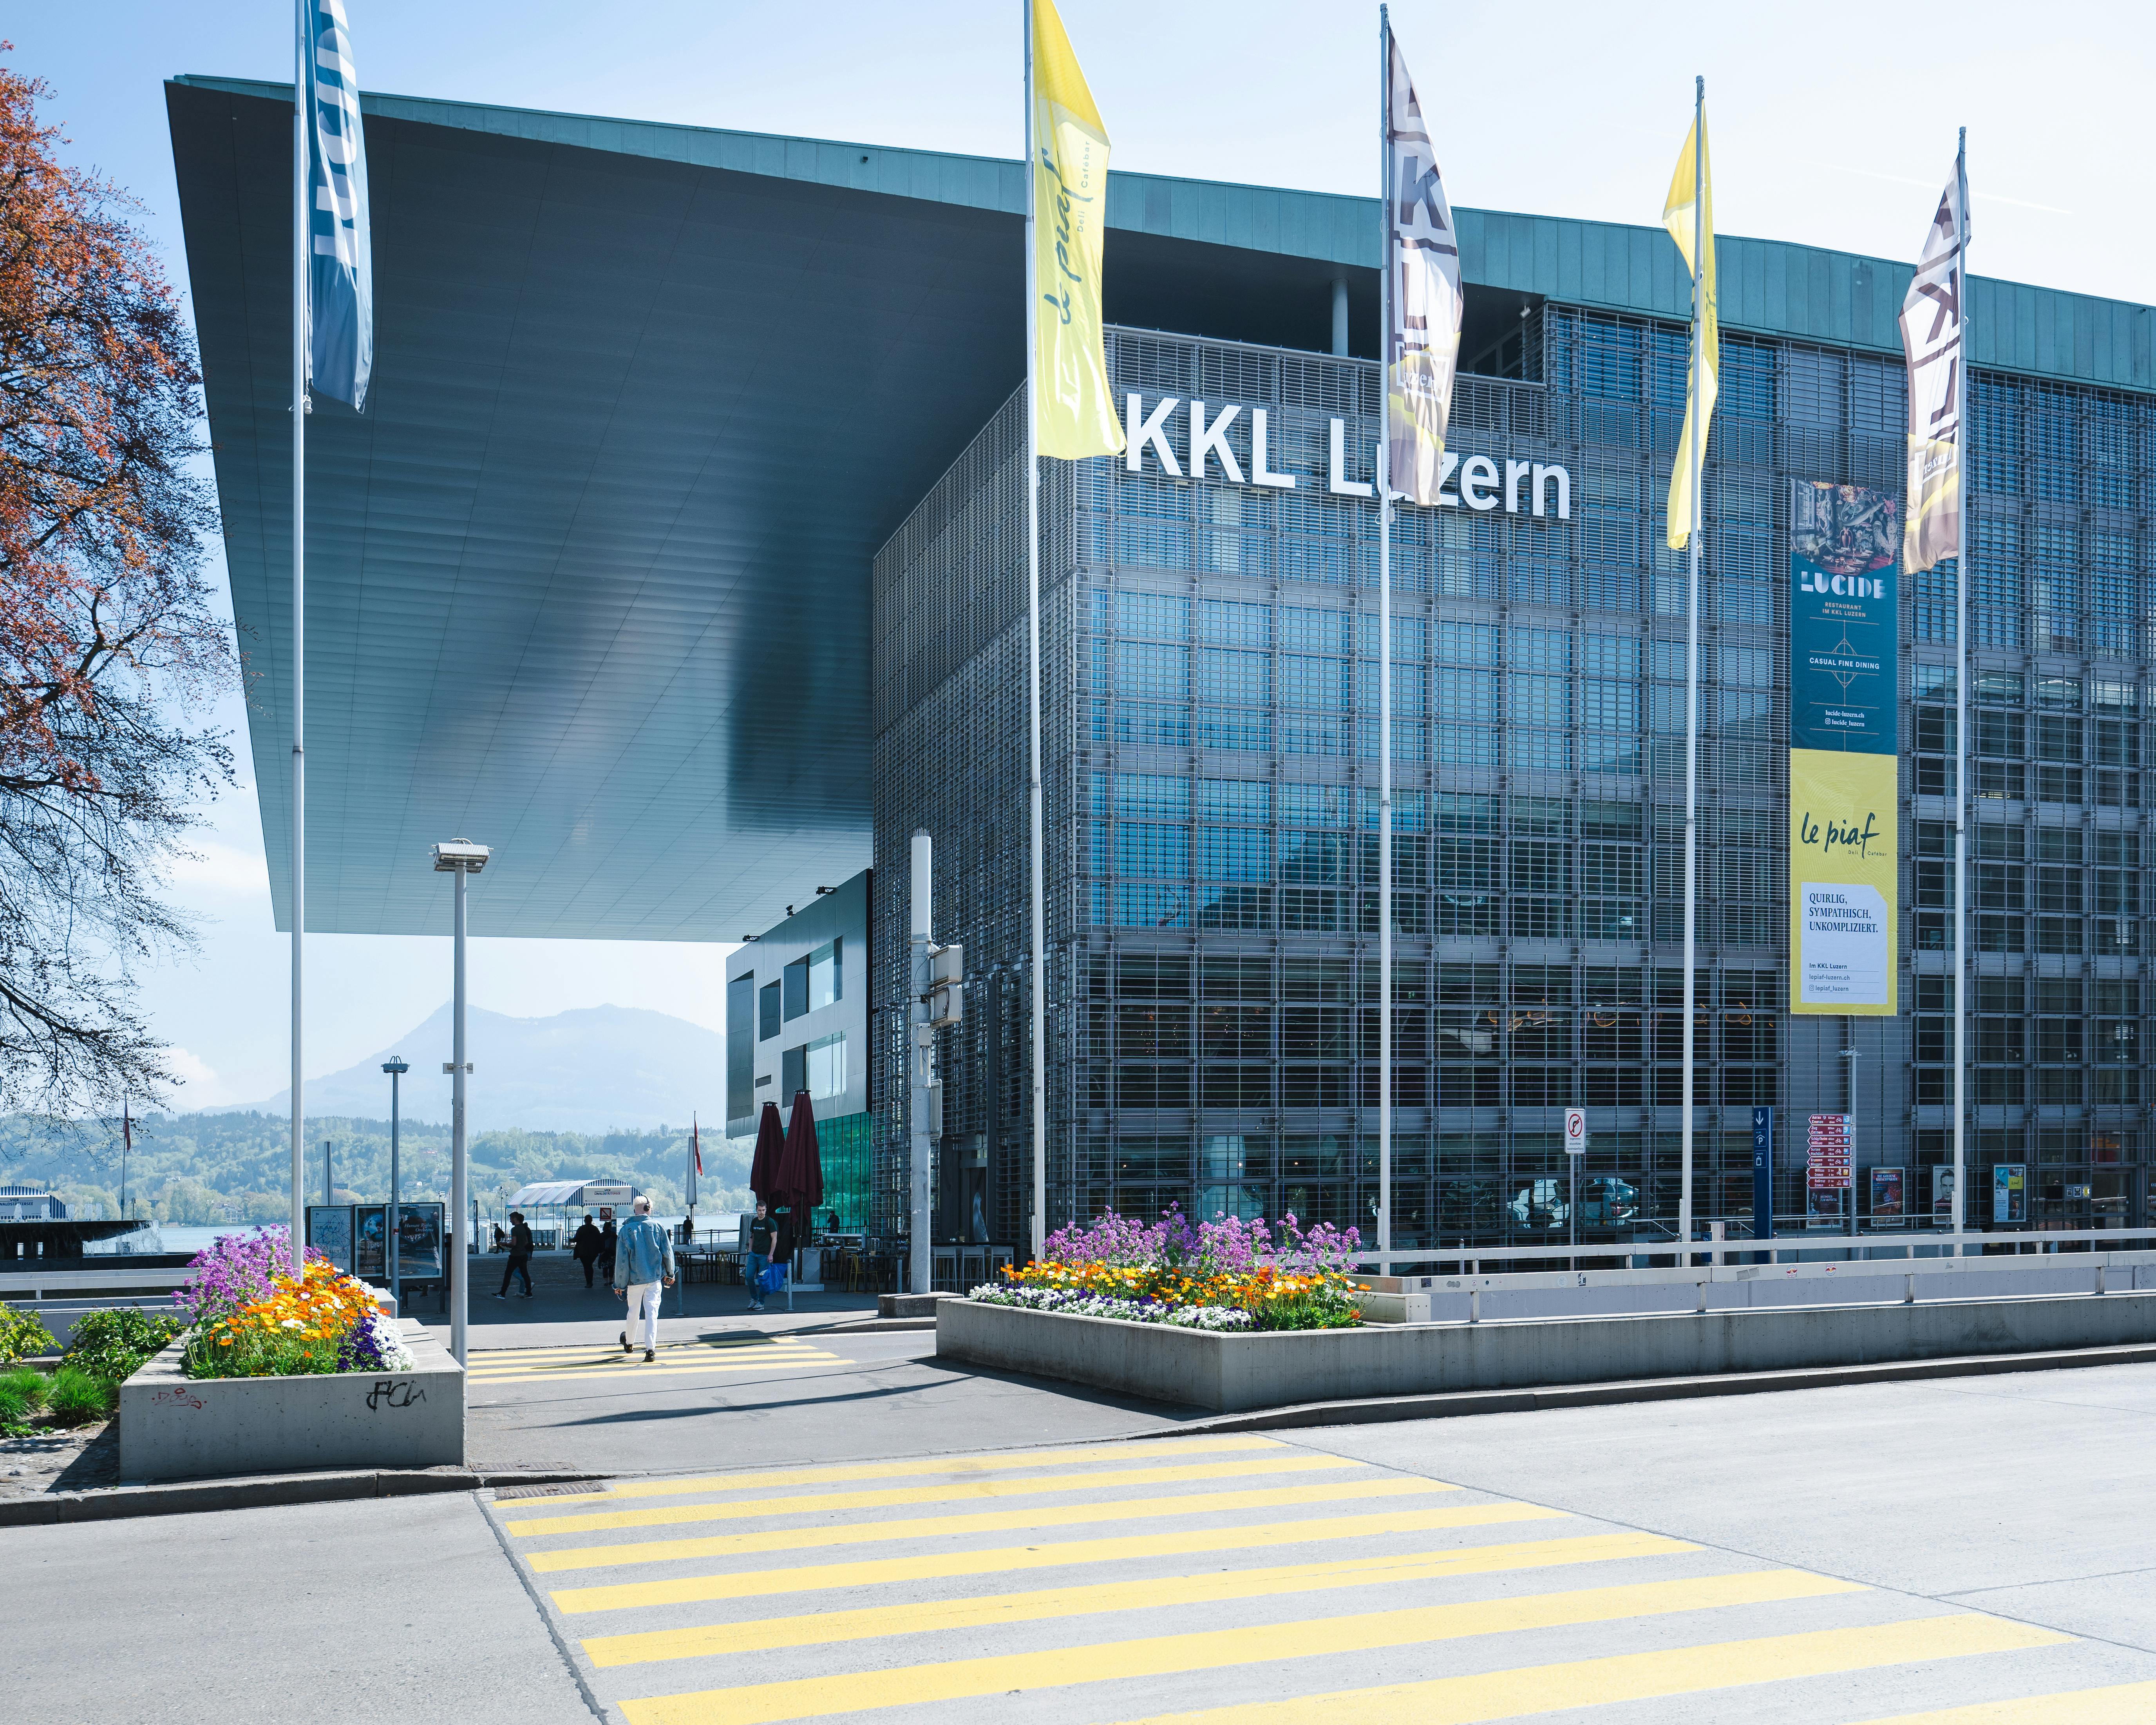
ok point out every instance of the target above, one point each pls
(462, 858)
(396, 1066)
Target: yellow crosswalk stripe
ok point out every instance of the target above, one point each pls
(621, 1368)
(1143, 1595)
(1161, 1655)
(1188, 1541)
(2114, 1704)
(1005, 1521)
(958, 1465)
(1624, 1676)
(1281, 1461)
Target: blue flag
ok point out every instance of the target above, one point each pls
(340, 274)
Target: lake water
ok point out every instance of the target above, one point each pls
(176, 1239)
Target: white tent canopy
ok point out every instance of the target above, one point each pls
(571, 1193)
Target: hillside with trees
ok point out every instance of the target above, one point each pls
(204, 1169)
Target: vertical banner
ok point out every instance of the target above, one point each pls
(1423, 346)
(1845, 748)
(1074, 409)
(1931, 346)
(340, 283)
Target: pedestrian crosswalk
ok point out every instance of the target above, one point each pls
(729, 1356)
(1236, 1581)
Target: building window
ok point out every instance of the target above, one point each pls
(827, 977)
(796, 978)
(824, 1061)
(767, 1014)
(741, 1046)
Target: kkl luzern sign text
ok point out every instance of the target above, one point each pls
(1187, 437)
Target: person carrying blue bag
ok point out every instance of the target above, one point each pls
(761, 1231)
(643, 1263)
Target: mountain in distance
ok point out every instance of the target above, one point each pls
(592, 1070)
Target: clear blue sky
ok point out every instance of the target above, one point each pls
(1832, 123)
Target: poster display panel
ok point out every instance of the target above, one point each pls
(1844, 748)
(2010, 1193)
(329, 1232)
(1889, 1207)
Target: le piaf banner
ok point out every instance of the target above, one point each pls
(1845, 748)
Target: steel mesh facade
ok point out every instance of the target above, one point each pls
(1210, 739)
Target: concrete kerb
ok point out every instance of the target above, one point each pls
(1238, 1373)
(190, 1497)
(1386, 1409)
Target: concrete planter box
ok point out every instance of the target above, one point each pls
(172, 1427)
(1232, 1374)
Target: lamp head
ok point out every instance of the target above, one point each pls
(460, 855)
(396, 1064)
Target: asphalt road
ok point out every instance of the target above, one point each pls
(1249, 1580)
(1975, 1552)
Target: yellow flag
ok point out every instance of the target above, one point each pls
(1681, 217)
(1074, 408)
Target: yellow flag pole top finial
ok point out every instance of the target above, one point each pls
(1688, 214)
(1074, 406)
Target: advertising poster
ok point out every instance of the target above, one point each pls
(1888, 1208)
(2010, 1192)
(1844, 748)
(329, 1232)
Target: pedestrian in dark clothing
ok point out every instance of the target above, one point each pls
(610, 1238)
(520, 1255)
(585, 1248)
(760, 1233)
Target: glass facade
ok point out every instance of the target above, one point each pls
(1210, 678)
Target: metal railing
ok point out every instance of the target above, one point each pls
(1915, 1249)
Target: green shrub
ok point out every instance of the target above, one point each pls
(22, 1393)
(22, 1333)
(77, 1399)
(112, 1345)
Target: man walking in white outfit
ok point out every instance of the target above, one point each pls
(643, 1263)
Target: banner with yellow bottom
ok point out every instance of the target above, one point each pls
(1844, 811)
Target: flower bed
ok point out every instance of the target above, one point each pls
(1137, 1311)
(1228, 1273)
(251, 1319)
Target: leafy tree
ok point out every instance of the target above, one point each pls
(108, 642)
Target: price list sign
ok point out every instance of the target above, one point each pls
(1827, 1154)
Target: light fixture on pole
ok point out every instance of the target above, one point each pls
(396, 1066)
(462, 858)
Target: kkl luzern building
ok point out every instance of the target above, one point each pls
(1209, 640)
(585, 583)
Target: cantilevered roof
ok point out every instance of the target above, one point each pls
(588, 581)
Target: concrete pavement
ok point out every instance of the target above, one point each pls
(336, 1614)
(764, 1393)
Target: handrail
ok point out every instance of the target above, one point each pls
(1904, 1244)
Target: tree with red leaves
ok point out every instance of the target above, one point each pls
(108, 646)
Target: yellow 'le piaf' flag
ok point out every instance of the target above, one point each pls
(1681, 215)
(1074, 409)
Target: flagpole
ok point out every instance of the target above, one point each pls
(299, 258)
(1384, 644)
(1959, 1211)
(1033, 684)
(1695, 453)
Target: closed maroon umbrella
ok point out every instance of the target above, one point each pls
(770, 1149)
(800, 1182)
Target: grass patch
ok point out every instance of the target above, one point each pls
(75, 1397)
